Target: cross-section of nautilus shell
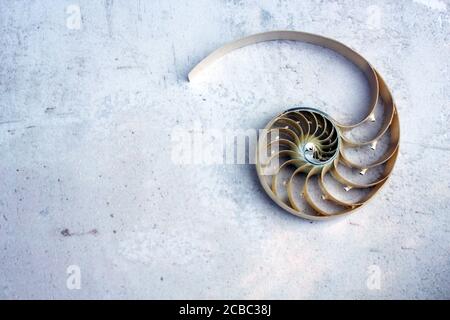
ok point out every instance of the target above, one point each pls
(306, 159)
(302, 143)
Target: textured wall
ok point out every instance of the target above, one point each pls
(91, 91)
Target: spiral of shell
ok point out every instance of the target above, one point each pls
(302, 147)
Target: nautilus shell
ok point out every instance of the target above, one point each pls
(304, 147)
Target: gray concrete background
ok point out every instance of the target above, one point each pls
(86, 176)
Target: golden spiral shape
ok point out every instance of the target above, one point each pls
(314, 146)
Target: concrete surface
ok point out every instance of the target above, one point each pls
(87, 108)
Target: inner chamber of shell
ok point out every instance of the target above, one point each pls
(308, 137)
